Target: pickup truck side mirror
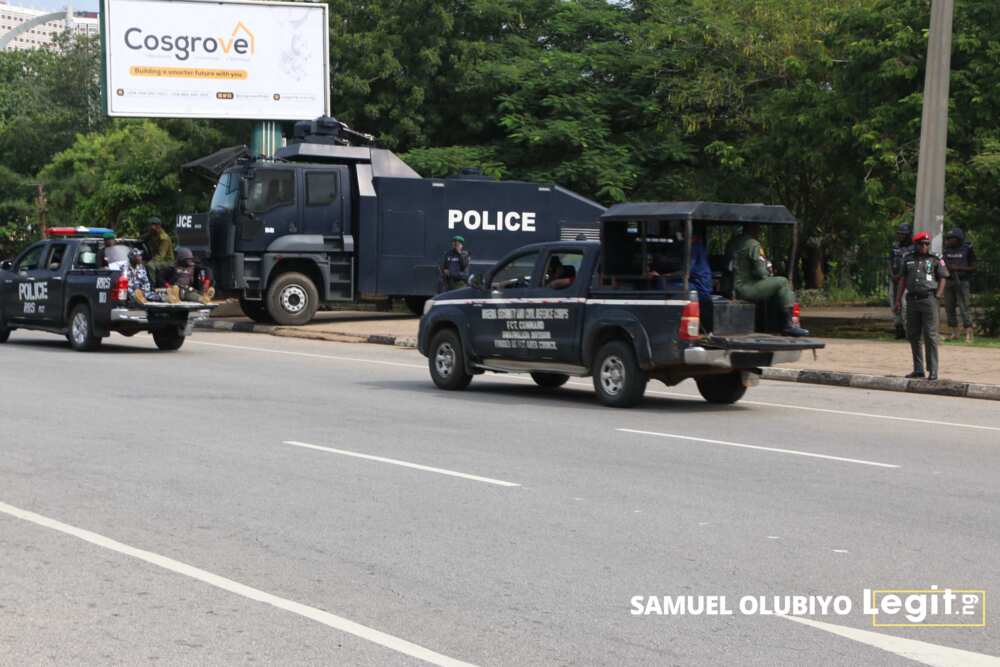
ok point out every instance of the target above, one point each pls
(476, 281)
(6, 265)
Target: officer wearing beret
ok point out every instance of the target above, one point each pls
(902, 247)
(455, 265)
(923, 277)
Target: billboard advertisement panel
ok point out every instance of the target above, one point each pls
(196, 59)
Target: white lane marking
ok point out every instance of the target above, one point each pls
(773, 537)
(840, 551)
(404, 464)
(776, 450)
(578, 383)
(312, 613)
(911, 649)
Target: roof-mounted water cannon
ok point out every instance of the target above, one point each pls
(330, 131)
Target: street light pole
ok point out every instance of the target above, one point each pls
(929, 211)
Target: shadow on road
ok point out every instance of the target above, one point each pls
(63, 346)
(524, 394)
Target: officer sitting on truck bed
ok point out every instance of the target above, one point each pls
(186, 282)
(754, 282)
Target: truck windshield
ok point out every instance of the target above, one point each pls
(226, 192)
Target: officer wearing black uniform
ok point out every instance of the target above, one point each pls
(902, 247)
(961, 261)
(924, 277)
(455, 265)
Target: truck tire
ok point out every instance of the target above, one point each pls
(415, 304)
(81, 330)
(618, 380)
(447, 361)
(549, 380)
(292, 299)
(722, 389)
(168, 339)
(256, 311)
(4, 334)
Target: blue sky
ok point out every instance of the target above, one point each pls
(55, 5)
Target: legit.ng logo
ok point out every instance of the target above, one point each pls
(241, 42)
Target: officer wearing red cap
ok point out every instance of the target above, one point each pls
(923, 276)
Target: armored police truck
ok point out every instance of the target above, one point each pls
(622, 311)
(327, 221)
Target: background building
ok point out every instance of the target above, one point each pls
(11, 17)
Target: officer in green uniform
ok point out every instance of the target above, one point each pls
(753, 281)
(161, 249)
(924, 276)
(900, 249)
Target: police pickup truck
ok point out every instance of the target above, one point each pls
(56, 286)
(562, 309)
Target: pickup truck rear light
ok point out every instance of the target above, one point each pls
(795, 314)
(120, 292)
(690, 321)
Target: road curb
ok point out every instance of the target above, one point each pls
(296, 332)
(990, 392)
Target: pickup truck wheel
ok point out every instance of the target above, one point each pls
(723, 389)
(292, 299)
(168, 339)
(4, 334)
(256, 311)
(618, 380)
(447, 362)
(81, 330)
(549, 380)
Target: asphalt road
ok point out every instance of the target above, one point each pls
(283, 501)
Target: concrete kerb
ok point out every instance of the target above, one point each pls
(804, 376)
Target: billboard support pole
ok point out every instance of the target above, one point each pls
(265, 139)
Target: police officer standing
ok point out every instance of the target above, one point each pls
(455, 265)
(961, 261)
(902, 247)
(923, 277)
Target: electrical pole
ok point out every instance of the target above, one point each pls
(929, 211)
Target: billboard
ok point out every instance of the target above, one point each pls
(199, 59)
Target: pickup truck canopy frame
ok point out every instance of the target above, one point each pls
(645, 214)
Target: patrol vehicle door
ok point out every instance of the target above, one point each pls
(511, 287)
(27, 296)
(558, 320)
(51, 273)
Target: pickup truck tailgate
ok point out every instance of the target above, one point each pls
(748, 351)
(762, 343)
(154, 314)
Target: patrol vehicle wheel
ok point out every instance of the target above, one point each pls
(618, 380)
(447, 363)
(549, 380)
(292, 299)
(168, 339)
(723, 389)
(81, 332)
(256, 311)
(4, 335)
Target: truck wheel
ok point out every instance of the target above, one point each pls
(256, 311)
(292, 299)
(549, 380)
(722, 389)
(415, 304)
(168, 339)
(618, 380)
(4, 334)
(81, 330)
(447, 362)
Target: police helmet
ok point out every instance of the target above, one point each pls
(184, 255)
(956, 233)
(905, 228)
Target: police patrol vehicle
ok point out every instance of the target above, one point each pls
(563, 309)
(328, 222)
(56, 286)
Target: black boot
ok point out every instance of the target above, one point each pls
(792, 329)
(900, 332)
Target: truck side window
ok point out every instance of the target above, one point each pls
(86, 257)
(321, 188)
(56, 255)
(561, 269)
(31, 260)
(515, 274)
(272, 188)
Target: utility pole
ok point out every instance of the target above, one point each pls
(929, 210)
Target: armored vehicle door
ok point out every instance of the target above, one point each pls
(497, 328)
(323, 200)
(271, 209)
